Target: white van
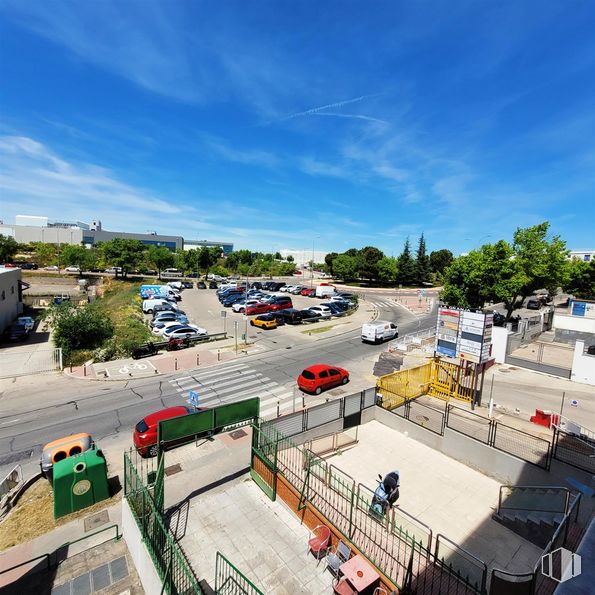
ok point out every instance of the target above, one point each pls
(378, 331)
(323, 291)
(149, 304)
(171, 273)
(177, 285)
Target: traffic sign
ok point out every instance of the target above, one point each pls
(193, 398)
(223, 313)
(574, 403)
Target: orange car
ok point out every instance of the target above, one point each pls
(61, 449)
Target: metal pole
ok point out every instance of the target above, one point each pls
(491, 403)
(562, 407)
(235, 332)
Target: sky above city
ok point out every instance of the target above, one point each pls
(302, 125)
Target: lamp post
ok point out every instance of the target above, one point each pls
(312, 263)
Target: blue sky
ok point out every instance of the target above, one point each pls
(274, 124)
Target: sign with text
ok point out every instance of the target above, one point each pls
(464, 334)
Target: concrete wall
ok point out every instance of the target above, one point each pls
(51, 235)
(499, 343)
(583, 365)
(580, 324)
(139, 553)
(172, 242)
(10, 304)
(492, 462)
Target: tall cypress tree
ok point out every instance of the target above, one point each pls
(422, 263)
(406, 266)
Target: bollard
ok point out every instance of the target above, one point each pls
(303, 402)
(197, 359)
(176, 363)
(71, 366)
(85, 370)
(218, 355)
(278, 409)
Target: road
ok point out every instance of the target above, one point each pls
(109, 411)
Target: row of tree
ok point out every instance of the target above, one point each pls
(372, 264)
(509, 273)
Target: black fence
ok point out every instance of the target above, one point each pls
(574, 450)
(510, 440)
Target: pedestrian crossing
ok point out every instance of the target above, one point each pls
(231, 383)
(381, 303)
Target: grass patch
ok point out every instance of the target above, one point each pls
(34, 515)
(318, 329)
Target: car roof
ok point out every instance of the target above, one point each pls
(169, 412)
(320, 367)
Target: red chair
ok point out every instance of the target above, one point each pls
(319, 541)
(342, 587)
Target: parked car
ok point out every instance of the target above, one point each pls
(52, 267)
(144, 350)
(533, 304)
(60, 299)
(150, 305)
(230, 300)
(309, 316)
(212, 284)
(306, 291)
(16, 332)
(144, 436)
(258, 308)
(256, 285)
(323, 311)
(186, 332)
(297, 290)
(288, 316)
(202, 285)
(187, 284)
(280, 303)
(27, 322)
(161, 328)
(113, 270)
(336, 308)
(266, 321)
(29, 266)
(319, 377)
(72, 270)
(173, 317)
(240, 305)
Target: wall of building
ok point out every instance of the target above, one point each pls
(24, 234)
(583, 364)
(93, 236)
(10, 303)
(227, 247)
(499, 343)
(138, 552)
(581, 324)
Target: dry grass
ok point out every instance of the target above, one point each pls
(34, 515)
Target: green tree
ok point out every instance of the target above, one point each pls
(208, 257)
(440, 260)
(422, 263)
(463, 282)
(127, 254)
(78, 327)
(406, 266)
(278, 256)
(160, 257)
(232, 261)
(581, 279)
(388, 269)
(345, 267)
(45, 254)
(328, 260)
(8, 248)
(368, 258)
(78, 256)
(290, 258)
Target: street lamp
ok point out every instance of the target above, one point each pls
(312, 263)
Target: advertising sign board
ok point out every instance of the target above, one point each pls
(464, 334)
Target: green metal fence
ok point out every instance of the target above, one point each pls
(169, 560)
(230, 581)
(398, 545)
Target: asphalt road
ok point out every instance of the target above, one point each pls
(64, 406)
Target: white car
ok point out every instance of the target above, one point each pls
(286, 288)
(241, 305)
(26, 321)
(72, 269)
(51, 268)
(186, 332)
(339, 298)
(322, 311)
(171, 326)
(114, 270)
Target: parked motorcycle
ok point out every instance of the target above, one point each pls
(175, 344)
(144, 351)
(385, 495)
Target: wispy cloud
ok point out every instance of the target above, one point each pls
(352, 116)
(246, 156)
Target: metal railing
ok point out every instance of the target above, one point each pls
(23, 363)
(416, 338)
(170, 562)
(13, 478)
(230, 581)
(562, 492)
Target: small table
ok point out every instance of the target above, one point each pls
(360, 575)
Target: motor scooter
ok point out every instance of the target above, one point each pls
(175, 344)
(385, 495)
(144, 351)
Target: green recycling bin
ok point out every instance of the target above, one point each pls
(80, 481)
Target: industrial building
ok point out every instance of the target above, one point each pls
(29, 229)
(11, 296)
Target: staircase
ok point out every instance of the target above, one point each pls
(533, 512)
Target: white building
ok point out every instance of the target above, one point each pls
(584, 255)
(10, 296)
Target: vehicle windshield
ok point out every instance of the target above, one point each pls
(141, 426)
(308, 375)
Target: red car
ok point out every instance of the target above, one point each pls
(259, 308)
(321, 377)
(306, 291)
(145, 431)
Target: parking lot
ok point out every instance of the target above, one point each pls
(202, 307)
